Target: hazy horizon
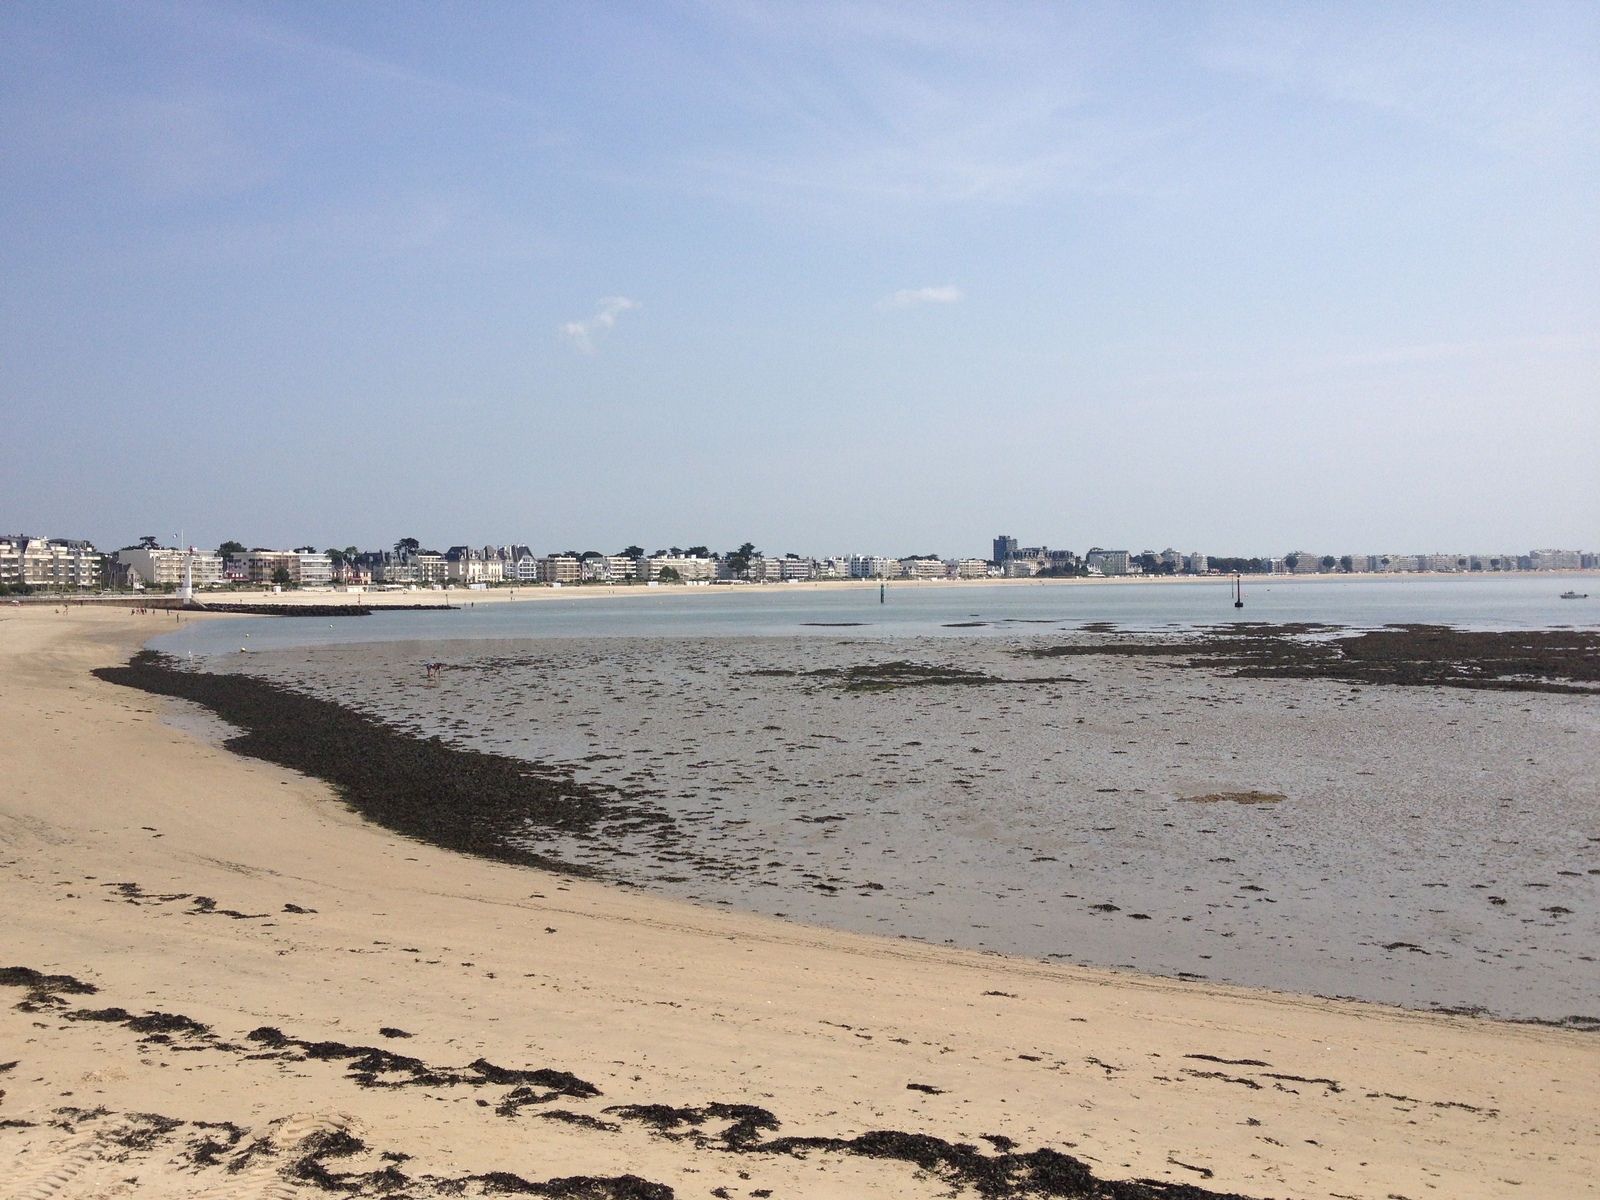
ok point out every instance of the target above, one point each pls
(879, 278)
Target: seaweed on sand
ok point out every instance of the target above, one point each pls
(375, 1067)
(901, 673)
(466, 800)
(44, 991)
(999, 1176)
(1540, 660)
(744, 1129)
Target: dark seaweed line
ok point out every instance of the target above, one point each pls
(1003, 1175)
(1562, 661)
(998, 1176)
(467, 800)
(901, 673)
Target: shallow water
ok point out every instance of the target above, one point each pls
(934, 610)
(1435, 847)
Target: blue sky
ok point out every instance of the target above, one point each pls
(827, 277)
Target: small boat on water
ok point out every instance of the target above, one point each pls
(1569, 595)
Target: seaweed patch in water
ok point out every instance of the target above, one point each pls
(1537, 660)
(471, 801)
(900, 673)
(1236, 797)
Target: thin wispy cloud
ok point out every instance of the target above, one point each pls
(583, 334)
(1494, 83)
(892, 103)
(265, 33)
(912, 297)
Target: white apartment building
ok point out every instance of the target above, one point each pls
(620, 568)
(263, 567)
(313, 568)
(432, 568)
(967, 568)
(49, 562)
(560, 568)
(1494, 562)
(464, 565)
(610, 568)
(1107, 562)
(872, 566)
(689, 569)
(1021, 568)
(162, 566)
(1197, 563)
(794, 569)
(392, 569)
(1555, 560)
(519, 563)
(495, 562)
(921, 568)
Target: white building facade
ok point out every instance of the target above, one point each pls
(163, 566)
(50, 563)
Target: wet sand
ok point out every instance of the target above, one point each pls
(1432, 847)
(255, 933)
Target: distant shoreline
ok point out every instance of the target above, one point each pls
(377, 598)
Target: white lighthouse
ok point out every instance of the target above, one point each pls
(186, 592)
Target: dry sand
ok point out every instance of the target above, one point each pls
(114, 824)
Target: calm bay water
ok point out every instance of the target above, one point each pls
(924, 610)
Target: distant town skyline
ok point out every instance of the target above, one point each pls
(29, 563)
(832, 275)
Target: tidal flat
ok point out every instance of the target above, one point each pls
(1436, 847)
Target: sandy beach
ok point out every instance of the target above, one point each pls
(287, 1000)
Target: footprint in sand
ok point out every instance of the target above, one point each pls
(45, 1177)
